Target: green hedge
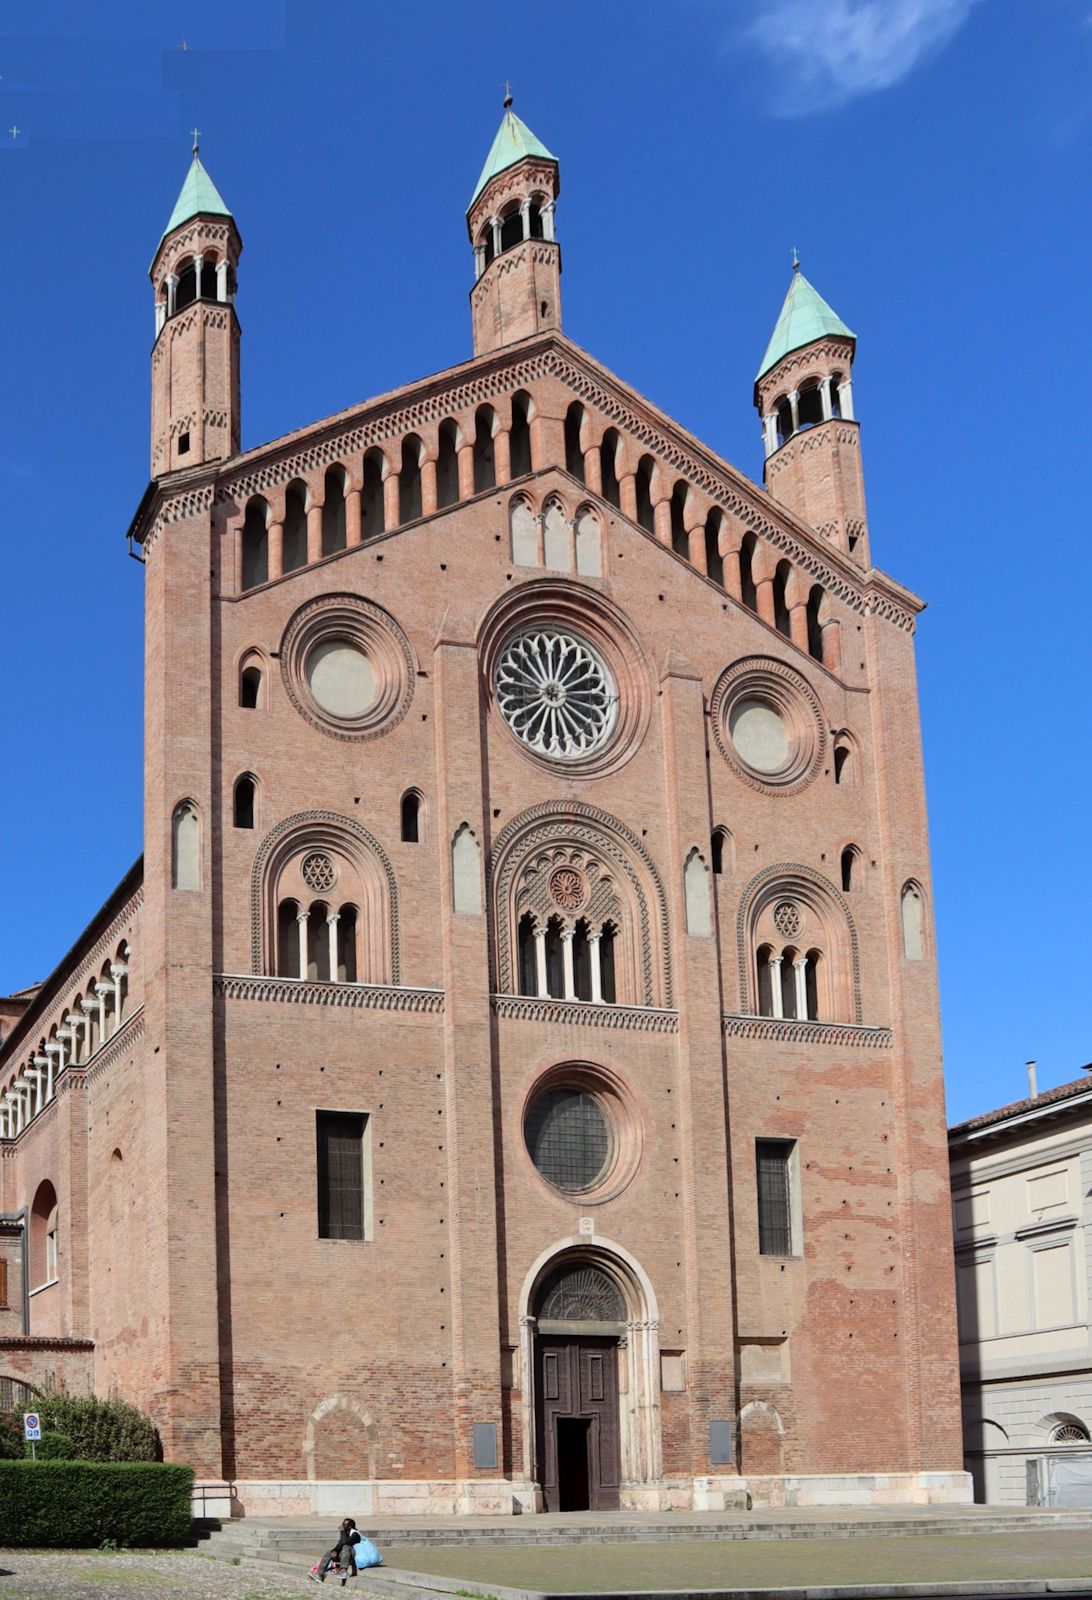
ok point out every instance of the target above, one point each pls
(69, 1503)
(100, 1430)
(50, 1447)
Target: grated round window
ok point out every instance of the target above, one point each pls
(568, 1138)
(556, 694)
(1069, 1433)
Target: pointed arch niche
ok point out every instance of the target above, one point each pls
(330, 864)
(573, 871)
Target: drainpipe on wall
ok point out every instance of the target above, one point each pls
(1033, 1082)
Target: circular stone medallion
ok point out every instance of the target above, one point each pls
(341, 678)
(759, 735)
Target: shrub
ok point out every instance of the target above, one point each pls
(11, 1436)
(100, 1430)
(84, 1503)
(50, 1447)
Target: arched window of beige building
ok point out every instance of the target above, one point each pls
(185, 847)
(913, 921)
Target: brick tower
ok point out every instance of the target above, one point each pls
(517, 260)
(804, 395)
(195, 361)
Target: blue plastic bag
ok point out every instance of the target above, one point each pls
(365, 1554)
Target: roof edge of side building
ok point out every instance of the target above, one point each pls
(1067, 1096)
(50, 987)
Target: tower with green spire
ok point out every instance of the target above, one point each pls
(510, 219)
(804, 395)
(195, 359)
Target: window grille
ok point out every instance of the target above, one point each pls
(581, 1294)
(772, 1158)
(568, 1137)
(340, 1139)
(1069, 1433)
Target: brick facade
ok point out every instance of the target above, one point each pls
(179, 1129)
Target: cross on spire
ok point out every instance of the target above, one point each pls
(795, 259)
(14, 131)
(196, 140)
(507, 94)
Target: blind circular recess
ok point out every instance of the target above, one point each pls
(556, 694)
(568, 1138)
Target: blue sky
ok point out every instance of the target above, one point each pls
(930, 160)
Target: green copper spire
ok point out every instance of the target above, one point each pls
(805, 317)
(513, 143)
(199, 195)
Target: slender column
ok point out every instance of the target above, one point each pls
(596, 970)
(101, 991)
(87, 1006)
(331, 931)
(548, 220)
(824, 398)
(34, 1088)
(798, 626)
(392, 511)
(466, 471)
(160, 315)
(799, 973)
(352, 517)
(428, 487)
(661, 519)
(314, 533)
(832, 645)
(540, 963)
(118, 970)
(72, 1023)
(46, 1063)
(776, 1009)
(198, 268)
(696, 539)
(627, 494)
(845, 398)
(4, 1130)
(593, 470)
(275, 549)
(221, 281)
(769, 432)
(479, 261)
(525, 215)
(567, 963)
(495, 224)
(502, 456)
(764, 601)
(794, 404)
(172, 293)
(301, 936)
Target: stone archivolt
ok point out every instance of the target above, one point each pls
(830, 927)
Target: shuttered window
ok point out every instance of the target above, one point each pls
(773, 1161)
(341, 1196)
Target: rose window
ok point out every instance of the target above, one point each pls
(556, 694)
(568, 888)
(787, 919)
(318, 872)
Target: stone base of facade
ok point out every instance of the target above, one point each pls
(862, 1489)
(500, 1497)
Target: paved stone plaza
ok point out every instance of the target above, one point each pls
(127, 1574)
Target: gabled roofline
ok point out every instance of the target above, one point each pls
(1074, 1098)
(220, 474)
(55, 984)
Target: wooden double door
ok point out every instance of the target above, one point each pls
(576, 1417)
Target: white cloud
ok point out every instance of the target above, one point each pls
(826, 52)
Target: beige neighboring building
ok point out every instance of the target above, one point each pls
(1022, 1212)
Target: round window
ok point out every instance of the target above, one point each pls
(341, 678)
(568, 1138)
(556, 694)
(759, 735)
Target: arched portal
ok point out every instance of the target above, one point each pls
(591, 1362)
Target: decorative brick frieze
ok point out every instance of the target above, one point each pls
(584, 1013)
(784, 1030)
(353, 996)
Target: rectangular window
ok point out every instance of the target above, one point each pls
(344, 1201)
(774, 1164)
(3, 1283)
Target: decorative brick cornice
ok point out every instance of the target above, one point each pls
(302, 991)
(131, 1030)
(44, 1341)
(783, 1030)
(585, 1013)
